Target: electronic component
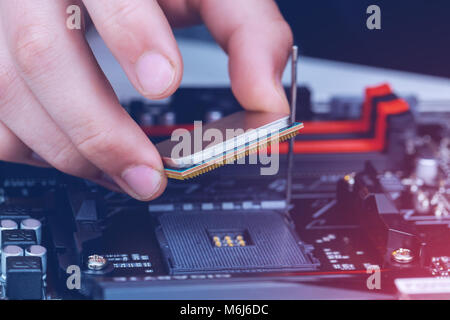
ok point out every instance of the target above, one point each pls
(231, 238)
(168, 118)
(234, 137)
(7, 224)
(423, 288)
(230, 242)
(427, 169)
(13, 213)
(19, 237)
(24, 278)
(440, 266)
(35, 225)
(255, 130)
(7, 252)
(41, 253)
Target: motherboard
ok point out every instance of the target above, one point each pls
(367, 214)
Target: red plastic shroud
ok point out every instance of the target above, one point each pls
(362, 125)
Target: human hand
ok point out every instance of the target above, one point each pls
(58, 109)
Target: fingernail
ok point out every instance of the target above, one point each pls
(143, 180)
(155, 73)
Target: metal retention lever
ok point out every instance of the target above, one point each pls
(290, 166)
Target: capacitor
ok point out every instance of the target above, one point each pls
(402, 255)
(427, 169)
(41, 252)
(9, 251)
(7, 224)
(33, 224)
(96, 262)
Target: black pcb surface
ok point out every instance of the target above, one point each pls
(230, 242)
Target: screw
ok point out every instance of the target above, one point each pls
(96, 262)
(402, 255)
(350, 179)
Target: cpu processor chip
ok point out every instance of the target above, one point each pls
(228, 139)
